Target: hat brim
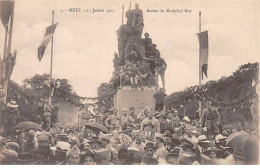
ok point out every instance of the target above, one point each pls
(12, 105)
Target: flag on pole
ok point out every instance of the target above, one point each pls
(6, 9)
(203, 41)
(47, 37)
(10, 62)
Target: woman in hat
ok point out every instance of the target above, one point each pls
(12, 117)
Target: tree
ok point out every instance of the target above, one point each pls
(105, 95)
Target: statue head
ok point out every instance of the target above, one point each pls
(136, 6)
(115, 54)
(146, 35)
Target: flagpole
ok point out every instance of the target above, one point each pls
(51, 62)
(122, 14)
(200, 107)
(6, 52)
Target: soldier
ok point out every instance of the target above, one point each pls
(145, 72)
(125, 118)
(210, 119)
(112, 120)
(147, 43)
(105, 138)
(54, 114)
(72, 156)
(12, 116)
(151, 119)
(132, 113)
(47, 114)
(154, 54)
(160, 67)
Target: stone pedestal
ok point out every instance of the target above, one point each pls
(137, 98)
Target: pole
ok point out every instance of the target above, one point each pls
(7, 50)
(122, 14)
(51, 62)
(200, 107)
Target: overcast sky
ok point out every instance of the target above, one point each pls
(84, 43)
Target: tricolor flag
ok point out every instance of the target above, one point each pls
(204, 52)
(10, 62)
(47, 37)
(6, 9)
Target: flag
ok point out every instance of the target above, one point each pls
(10, 62)
(6, 9)
(47, 37)
(203, 60)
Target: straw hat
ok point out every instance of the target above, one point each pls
(12, 104)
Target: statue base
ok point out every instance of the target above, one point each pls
(137, 98)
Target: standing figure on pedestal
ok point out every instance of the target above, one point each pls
(160, 67)
(147, 43)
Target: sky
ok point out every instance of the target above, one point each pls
(84, 42)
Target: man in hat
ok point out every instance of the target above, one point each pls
(149, 155)
(185, 122)
(132, 114)
(149, 150)
(133, 156)
(148, 131)
(210, 119)
(173, 155)
(151, 119)
(72, 156)
(168, 142)
(105, 138)
(188, 135)
(112, 119)
(203, 143)
(125, 118)
(47, 114)
(168, 123)
(161, 152)
(12, 117)
(176, 120)
(154, 54)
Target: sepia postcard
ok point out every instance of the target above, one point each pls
(121, 82)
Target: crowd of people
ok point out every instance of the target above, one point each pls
(128, 137)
